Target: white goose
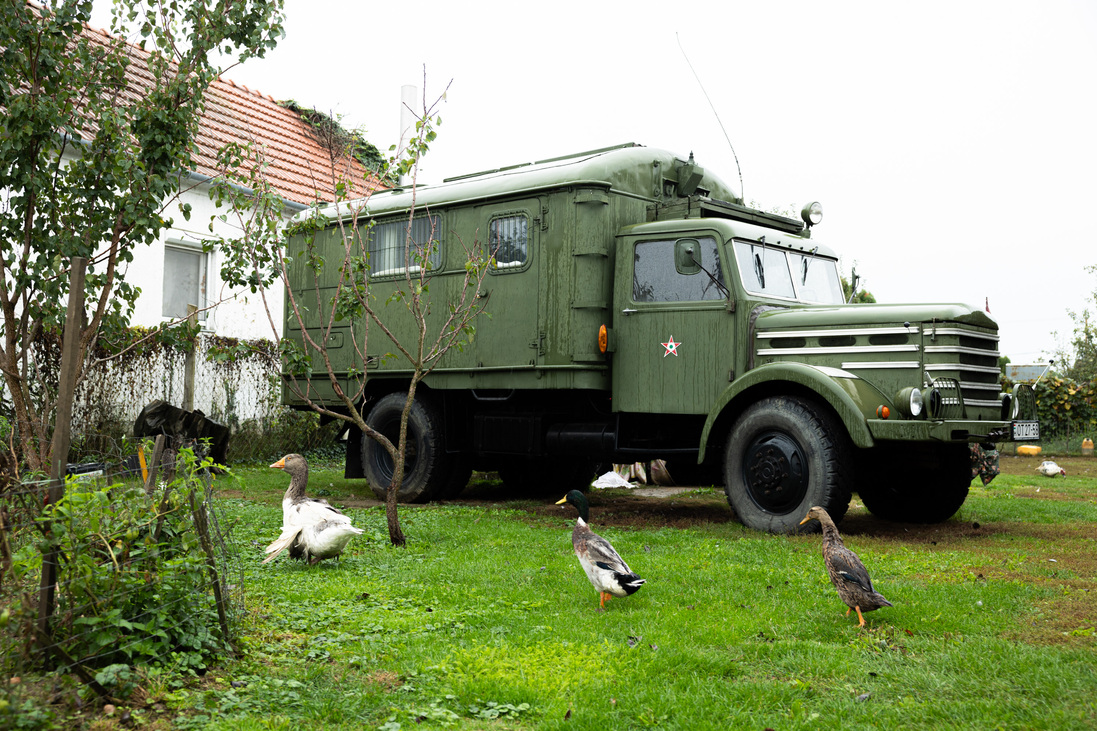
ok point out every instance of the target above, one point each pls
(1050, 469)
(311, 529)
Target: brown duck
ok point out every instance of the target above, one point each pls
(846, 571)
(311, 529)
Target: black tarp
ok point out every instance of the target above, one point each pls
(160, 417)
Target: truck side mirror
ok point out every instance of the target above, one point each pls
(687, 256)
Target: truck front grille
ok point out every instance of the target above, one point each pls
(968, 357)
(961, 361)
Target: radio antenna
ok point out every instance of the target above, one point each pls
(742, 190)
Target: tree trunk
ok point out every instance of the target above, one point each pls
(396, 535)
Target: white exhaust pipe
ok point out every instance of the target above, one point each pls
(408, 117)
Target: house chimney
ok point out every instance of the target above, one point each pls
(408, 117)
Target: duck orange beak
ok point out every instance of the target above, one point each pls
(280, 464)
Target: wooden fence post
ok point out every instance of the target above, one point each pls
(189, 363)
(62, 431)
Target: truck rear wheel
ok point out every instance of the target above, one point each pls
(425, 462)
(929, 486)
(686, 472)
(460, 472)
(538, 476)
(785, 455)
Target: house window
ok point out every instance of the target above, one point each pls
(388, 243)
(184, 280)
(509, 241)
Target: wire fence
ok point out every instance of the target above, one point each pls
(117, 572)
(242, 393)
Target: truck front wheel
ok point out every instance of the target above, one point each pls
(926, 485)
(785, 455)
(425, 463)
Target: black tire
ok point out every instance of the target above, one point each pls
(784, 456)
(929, 486)
(426, 466)
(539, 476)
(460, 473)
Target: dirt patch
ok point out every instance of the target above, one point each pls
(626, 510)
(358, 502)
(691, 507)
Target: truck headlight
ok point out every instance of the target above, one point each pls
(909, 401)
(812, 213)
(1007, 407)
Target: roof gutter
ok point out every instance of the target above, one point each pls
(293, 206)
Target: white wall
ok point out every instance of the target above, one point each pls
(237, 314)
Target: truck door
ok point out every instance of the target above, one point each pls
(512, 232)
(672, 324)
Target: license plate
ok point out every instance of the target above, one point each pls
(1026, 430)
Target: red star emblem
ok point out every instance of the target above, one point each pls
(671, 347)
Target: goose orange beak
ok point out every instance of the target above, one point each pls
(280, 464)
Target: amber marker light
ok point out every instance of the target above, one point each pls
(603, 339)
(883, 412)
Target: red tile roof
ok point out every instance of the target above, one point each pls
(299, 167)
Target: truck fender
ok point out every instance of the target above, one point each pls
(852, 398)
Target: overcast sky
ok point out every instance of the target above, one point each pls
(953, 145)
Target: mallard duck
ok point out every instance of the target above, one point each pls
(1048, 468)
(311, 529)
(606, 570)
(846, 571)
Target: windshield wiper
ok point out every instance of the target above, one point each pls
(804, 279)
(717, 282)
(759, 267)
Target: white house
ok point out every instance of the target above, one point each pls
(174, 271)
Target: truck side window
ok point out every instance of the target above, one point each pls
(388, 241)
(655, 277)
(508, 241)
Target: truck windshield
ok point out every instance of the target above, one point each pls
(776, 272)
(816, 279)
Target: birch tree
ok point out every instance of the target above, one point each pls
(327, 284)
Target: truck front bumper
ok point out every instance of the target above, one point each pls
(953, 430)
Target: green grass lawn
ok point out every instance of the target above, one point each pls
(486, 620)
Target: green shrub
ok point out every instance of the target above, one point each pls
(291, 431)
(1067, 408)
(135, 583)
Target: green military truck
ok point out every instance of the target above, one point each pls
(637, 310)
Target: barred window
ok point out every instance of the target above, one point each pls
(509, 241)
(387, 246)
